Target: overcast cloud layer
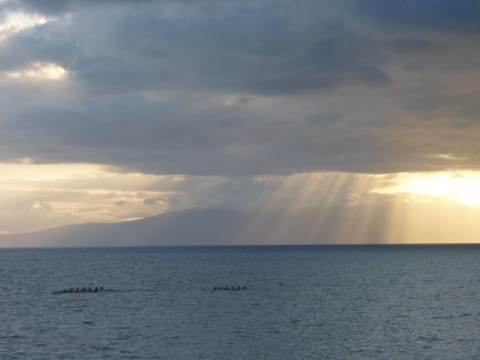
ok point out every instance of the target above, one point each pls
(242, 87)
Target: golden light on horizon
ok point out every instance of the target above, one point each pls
(26, 169)
(329, 207)
(40, 196)
(460, 186)
(304, 208)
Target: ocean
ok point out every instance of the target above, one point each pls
(299, 302)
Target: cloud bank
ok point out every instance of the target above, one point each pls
(242, 87)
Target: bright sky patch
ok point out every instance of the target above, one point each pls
(39, 71)
(462, 186)
(16, 22)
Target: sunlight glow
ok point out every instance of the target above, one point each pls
(39, 71)
(304, 208)
(38, 196)
(447, 157)
(26, 170)
(396, 208)
(16, 22)
(463, 187)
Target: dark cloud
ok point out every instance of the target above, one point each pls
(247, 52)
(55, 7)
(236, 88)
(140, 135)
(443, 15)
(254, 49)
(47, 43)
(411, 46)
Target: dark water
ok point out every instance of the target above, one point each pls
(300, 303)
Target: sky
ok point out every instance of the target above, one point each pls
(362, 113)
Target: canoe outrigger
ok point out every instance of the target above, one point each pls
(82, 290)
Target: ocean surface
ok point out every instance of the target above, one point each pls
(319, 302)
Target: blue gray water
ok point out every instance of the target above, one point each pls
(300, 303)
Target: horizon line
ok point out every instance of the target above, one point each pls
(351, 245)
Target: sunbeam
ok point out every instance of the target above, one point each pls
(314, 208)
